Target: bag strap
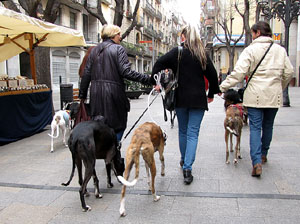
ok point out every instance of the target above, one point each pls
(258, 64)
(180, 49)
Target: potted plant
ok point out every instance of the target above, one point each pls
(133, 89)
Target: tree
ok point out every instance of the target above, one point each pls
(118, 16)
(245, 16)
(229, 41)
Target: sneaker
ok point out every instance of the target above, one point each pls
(188, 177)
(264, 159)
(257, 170)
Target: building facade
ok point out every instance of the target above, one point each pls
(156, 32)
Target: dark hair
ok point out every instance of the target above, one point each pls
(263, 27)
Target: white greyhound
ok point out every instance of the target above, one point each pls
(59, 121)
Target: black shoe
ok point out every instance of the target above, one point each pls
(188, 177)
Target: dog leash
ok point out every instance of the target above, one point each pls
(137, 121)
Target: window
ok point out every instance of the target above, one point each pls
(85, 25)
(72, 20)
(57, 21)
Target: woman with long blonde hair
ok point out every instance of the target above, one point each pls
(191, 97)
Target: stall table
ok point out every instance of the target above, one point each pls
(24, 113)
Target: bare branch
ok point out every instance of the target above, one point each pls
(134, 21)
(99, 10)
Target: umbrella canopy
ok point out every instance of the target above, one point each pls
(19, 33)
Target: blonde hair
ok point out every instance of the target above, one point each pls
(109, 31)
(194, 44)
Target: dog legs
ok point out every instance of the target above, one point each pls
(162, 160)
(87, 176)
(108, 172)
(227, 151)
(96, 185)
(148, 175)
(64, 135)
(153, 174)
(126, 176)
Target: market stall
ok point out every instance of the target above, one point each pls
(25, 105)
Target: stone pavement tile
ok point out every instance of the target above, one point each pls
(27, 213)
(271, 208)
(38, 197)
(249, 185)
(205, 206)
(198, 185)
(200, 219)
(8, 195)
(280, 220)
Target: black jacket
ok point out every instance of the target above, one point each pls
(106, 68)
(190, 92)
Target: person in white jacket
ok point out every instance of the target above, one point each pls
(263, 95)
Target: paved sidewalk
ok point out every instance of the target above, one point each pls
(30, 178)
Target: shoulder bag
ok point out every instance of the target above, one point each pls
(169, 100)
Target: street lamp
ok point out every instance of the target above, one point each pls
(286, 11)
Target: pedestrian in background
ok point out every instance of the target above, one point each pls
(263, 96)
(191, 99)
(106, 68)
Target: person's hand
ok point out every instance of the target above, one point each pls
(220, 94)
(157, 88)
(209, 100)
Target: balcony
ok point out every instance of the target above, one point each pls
(133, 49)
(92, 38)
(158, 15)
(149, 31)
(175, 19)
(140, 22)
(174, 31)
(160, 35)
(149, 9)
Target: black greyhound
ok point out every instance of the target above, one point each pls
(91, 140)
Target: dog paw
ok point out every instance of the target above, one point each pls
(99, 195)
(122, 213)
(51, 150)
(156, 198)
(163, 174)
(86, 209)
(240, 157)
(109, 185)
(227, 162)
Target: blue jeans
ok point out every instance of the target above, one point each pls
(189, 121)
(120, 135)
(261, 122)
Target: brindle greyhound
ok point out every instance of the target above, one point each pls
(146, 140)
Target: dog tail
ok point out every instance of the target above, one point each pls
(57, 132)
(73, 164)
(231, 131)
(127, 183)
(136, 159)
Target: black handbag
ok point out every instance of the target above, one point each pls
(169, 99)
(242, 90)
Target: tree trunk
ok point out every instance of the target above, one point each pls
(248, 36)
(42, 59)
(119, 11)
